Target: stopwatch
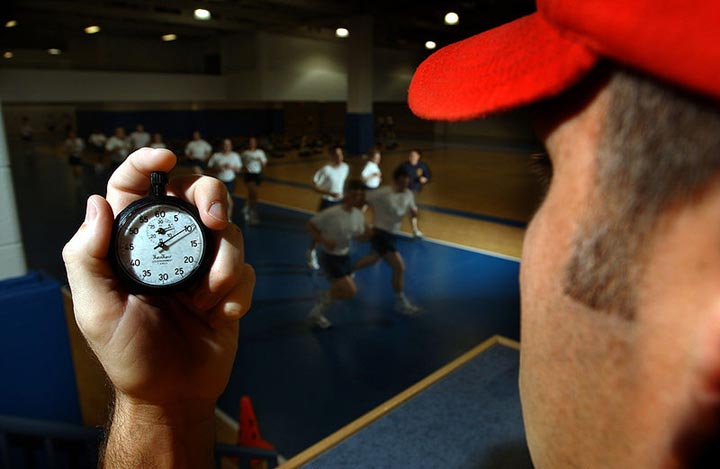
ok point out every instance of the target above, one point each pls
(159, 243)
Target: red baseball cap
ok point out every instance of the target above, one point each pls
(543, 54)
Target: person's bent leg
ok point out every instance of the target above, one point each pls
(402, 304)
(343, 288)
(366, 261)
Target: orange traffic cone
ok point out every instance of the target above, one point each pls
(249, 432)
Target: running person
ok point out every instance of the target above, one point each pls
(254, 161)
(419, 173)
(371, 173)
(228, 164)
(333, 229)
(118, 146)
(73, 147)
(390, 204)
(328, 181)
(140, 138)
(197, 152)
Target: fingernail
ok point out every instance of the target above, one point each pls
(233, 310)
(90, 211)
(218, 212)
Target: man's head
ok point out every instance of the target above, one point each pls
(227, 145)
(620, 359)
(119, 132)
(196, 135)
(336, 155)
(354, 193)
(252, 143)
(414, 156)
(140, 128)
(401, 179)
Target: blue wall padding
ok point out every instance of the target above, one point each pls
(36, 368)
(359, 133)
(214, 124)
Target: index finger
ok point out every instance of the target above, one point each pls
(131, 181)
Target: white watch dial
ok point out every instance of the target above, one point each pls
(160, 245)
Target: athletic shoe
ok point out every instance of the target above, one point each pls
(312, 260)
(402, 305)
(320, 321)
(316, 316)
(418, 234)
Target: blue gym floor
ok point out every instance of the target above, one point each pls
(307, 383)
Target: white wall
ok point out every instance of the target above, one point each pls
(12, 259)
(51, 86)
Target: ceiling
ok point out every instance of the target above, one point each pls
(43, 24)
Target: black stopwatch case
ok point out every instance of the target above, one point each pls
(127, 214)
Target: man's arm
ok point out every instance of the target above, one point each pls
(317, 236)
(167, 356)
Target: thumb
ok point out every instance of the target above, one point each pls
(90, 276)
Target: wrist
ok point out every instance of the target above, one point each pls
(160, 435)
(179, 412)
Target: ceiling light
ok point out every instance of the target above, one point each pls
(92, 29)
(54, 51)
(452, 18)
(168, 37)
(8, 55)
(11, 24)
(342, 32)
(430, 45)
(202, 14)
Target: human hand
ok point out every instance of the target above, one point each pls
(423, 179)
(174, 352)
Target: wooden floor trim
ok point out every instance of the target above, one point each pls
(357, 425)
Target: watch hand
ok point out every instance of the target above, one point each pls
(163, 243)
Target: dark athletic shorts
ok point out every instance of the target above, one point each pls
(335, 266)
(325, 203)
(382, 242)
(253, 177)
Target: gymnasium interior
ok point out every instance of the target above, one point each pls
(379, 388)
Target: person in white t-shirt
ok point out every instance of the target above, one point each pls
(97, 141)
(254, 161)
(73, 147)
(371, 173)
(157, 141)
(329, 181)
(197, 152)
(227, 164)
(140, 138)
(333, 229)
(390, 204)
(118, 146)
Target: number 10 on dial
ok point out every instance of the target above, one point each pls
(159, 243)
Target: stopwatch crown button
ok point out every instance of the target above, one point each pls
(158, 181)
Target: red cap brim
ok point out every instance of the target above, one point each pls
(509, 66)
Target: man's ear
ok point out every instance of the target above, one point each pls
(698, 444)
